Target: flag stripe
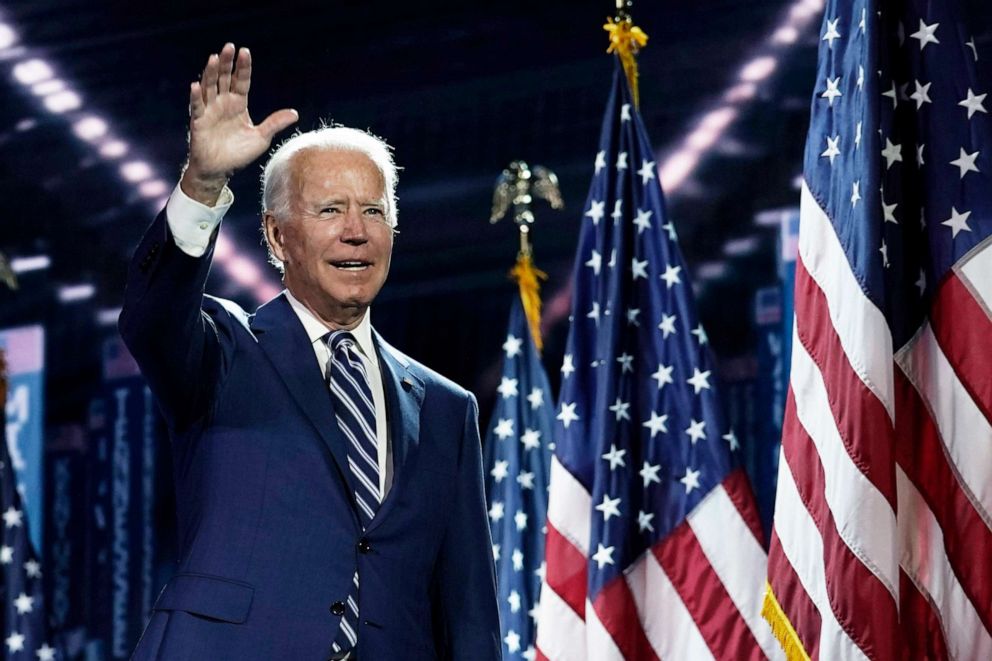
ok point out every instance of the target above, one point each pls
(874, 630)
(566, 577)
(666, 621)
(960, 324)
(698, 585)
(737, 488)
(954, 412)
(803, 548)
(616, 611)
(976, 269)
(562, 634)
(922, 635)
(599, 641)
(865, 520)
(569, 507)
(925, 562)
(854, 316)
(794, 600)
(925, 464)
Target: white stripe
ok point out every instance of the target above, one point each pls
(965, 432)
(926, 563)
(348, 631)
(976, 272)
(562, 634)
(363, 478)
(666, 621)
(352, 407)
(569, 505)
(803, 548)
(738, 560)
(357, 365)
(852, 313)
(598, 640)
(354, 579)
(353, 605)
(356, 444)
(863, 517)
(368, 510)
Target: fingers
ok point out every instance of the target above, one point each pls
(196, 106)
(208, 81)
(224, 68)
(242, 73)
(277, 121)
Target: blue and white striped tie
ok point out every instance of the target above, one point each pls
(355, 412)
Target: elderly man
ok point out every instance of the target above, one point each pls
(329, 488)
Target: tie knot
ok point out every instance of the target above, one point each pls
(339, 339)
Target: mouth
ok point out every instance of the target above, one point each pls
(351, 265)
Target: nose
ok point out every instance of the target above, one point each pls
(353, 230)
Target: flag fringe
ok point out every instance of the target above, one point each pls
(526, 276)
(626, 39)
(782, 628)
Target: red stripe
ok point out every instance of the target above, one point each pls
(922, 635)
(616, 609)
(967, 539)
(738, 488)
(862, 605)
(862, 420)
(791, 596)
(565, 570)
(960, 325)
(717, 618)
(540, 656)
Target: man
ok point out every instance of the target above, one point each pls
(329, 489)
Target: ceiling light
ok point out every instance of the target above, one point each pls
(30, 72)
(63, 101)
(742, 246)
(759, 69)
(135, 171)
(108, 316)
(26, 124)
(47, 87)
(113, 149)
(90, 128)
(153, 188)
(7, 36)
(73, 293)
(711, 270)
(32, 263)
(785, 35)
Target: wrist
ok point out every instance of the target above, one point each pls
(204, 188)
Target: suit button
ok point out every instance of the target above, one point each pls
(337, 608)
(364, 546)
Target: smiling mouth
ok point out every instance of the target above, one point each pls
(351, 265)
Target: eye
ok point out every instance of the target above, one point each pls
(332, 209)
(374, 211)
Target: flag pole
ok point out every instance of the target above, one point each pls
(626, 40)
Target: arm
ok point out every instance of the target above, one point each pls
(465, 572)
(177, 345)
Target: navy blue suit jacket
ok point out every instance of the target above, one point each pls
(269, 537)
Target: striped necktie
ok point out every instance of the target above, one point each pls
(355, 412)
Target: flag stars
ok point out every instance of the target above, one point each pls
(517, 558)
(595, 262)
(833, 148)
(12, 517)
(621, 163)
(24, 604)
(536, 398)
(512, 639)
(639, 268)
(700, 334)
(649, 474)
(512, 346)
(670, 228)
(656, 423)
(926, 34)
(33, 568)
(567, 414)
(531, 439)
(504, 428)
(861, 77)
(667, 325)
(671, 275)
(958, 222)
(15, 642)
(6, 555)
(921, 283)
(45, 653)
(921, 95)
(609, 507)
(644, 521)
(699, 380)
(603, 555)
(974, 103)
(594, 313)
(496, 511)
(891, 153)
(831, 33)
(864, 20)
(919, 155)
(626, 361)
(566, 366)
(646, 171)
(885, 254)
(642, 220)
(597, 209)
(663, 375)
(696, 430)
(600, 161)
(615, 457)
(892, 94)
(520, 519)
(966, 162)
(500, 470)
(971, 44)
(507, 387)
(731, 439)
(832, 91)
(617, 215)
(632, 314)
(690, 480)
(857, 136)
(855, 194)
(625, 112)
(620, 409)
(889, 212)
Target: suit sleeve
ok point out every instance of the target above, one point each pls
(176, 344)
(466, 573)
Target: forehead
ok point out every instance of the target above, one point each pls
(315, 170)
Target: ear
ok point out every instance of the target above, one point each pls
(274, 235)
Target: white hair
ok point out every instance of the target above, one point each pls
(276, 173)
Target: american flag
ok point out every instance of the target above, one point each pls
(882, 542)
(518, 454)
(653, 538)
(22, 620)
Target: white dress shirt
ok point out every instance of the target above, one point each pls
(192, 225)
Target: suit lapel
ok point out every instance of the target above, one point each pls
(281, 335)
(404, 392)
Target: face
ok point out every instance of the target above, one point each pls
(335, 243)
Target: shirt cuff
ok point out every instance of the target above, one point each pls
(192, 223)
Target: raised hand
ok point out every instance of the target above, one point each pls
(222, 137)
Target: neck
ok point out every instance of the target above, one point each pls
(333, 317)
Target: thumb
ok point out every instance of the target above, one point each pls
(278, 121)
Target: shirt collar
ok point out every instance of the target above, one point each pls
(316, 330)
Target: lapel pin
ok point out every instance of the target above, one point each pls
(406, 383)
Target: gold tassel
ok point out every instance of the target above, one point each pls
(527, 276)
(782, 628)
(626, 39)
